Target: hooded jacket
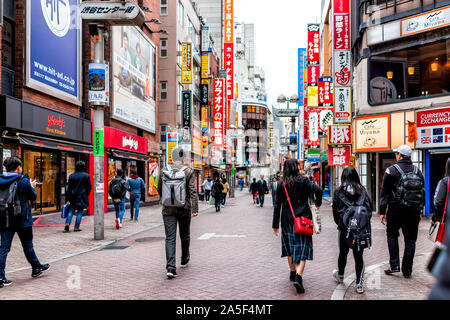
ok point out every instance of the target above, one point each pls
(26, 194)
(339, 207)
(440, 198)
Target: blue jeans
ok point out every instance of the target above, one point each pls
(26, 238)
(120, 209)
(134, 205)
(70, 215)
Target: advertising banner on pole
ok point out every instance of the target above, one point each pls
(53, 48)
(313, 75)
(186, 70)
(340, 134)
(186, 112)
(218, 111)
(342, 67)
(205, 66)
(339, 156)
(313, 44)
(228, 46)
(98, 85)
(229, 66)
(341, 32)
(342, 105)
(313, 126)
(205, 39)
(325, 92)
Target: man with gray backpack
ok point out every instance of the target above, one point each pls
(401, 204)
(180, 202)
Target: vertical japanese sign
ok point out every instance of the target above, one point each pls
(313, 55)
(204, 127)
(302, 61)
(171, 144)
(205, 39)
(342, 105)
(218, 111)
(339, 156)
(187, 109)
(205, 66)
(340, 134)
(228, 47)
(313, 44)
(313, 126)
(186, 76)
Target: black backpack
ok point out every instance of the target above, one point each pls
(115, 189)
(356, 220)
(10, 208)
(410, 191)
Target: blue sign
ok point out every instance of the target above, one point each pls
(54, 48)
(301, 72)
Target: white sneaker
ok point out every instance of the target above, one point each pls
(337, 276)
(359, 288)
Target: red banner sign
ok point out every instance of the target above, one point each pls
(341, 6)
(339, 156)
(341, 32)
(219, 108)
(122, 140)
(431, 118)
(313, 75)
(229, 66)
(313, 46)
(340, 134)
(325, 92)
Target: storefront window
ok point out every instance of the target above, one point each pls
(415, 72)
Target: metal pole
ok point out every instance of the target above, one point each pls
(99, 160)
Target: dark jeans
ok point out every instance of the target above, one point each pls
(261, 199)
(357, 255)
(224, 198)
(79, 215)
(218, 200)
(26, 238)
(409, 223)
(119, 207)
(274, 199)
(134, 206)
(207, 194)
(170, 226)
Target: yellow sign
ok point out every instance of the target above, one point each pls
(313, 96)
(205, 66)
(186, 74)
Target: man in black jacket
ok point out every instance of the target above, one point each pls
(262, 190)
(397, 217)
(79, 188)
(117, 190)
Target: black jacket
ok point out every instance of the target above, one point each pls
(441, 290)
(79, 188)
(262, 187)
(299, 195)
(254, 187)
(440, 198)
(391, 180)
(123, 188)
(217, 189)
(339, 207)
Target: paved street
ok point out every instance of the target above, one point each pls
(234, 255)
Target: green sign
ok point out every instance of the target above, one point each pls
(99, 143)
(233, 171)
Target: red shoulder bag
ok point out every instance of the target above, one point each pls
(303, 226)
(441, 231)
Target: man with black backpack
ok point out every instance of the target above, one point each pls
(401, 204)
(179, 199)
(117, 191)
(16, 192)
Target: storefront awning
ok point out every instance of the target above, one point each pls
(61, 145)
(128, 155)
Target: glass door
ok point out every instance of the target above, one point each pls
(32, 168)
(50, 182)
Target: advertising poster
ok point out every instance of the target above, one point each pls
(313, 96)
(373, 133)
(171, 144)
(153, 176)
(186, 69)
(339, 156)
(134, 78)
(53, 45)
(98, 84)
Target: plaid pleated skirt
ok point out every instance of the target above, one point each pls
(297, 246)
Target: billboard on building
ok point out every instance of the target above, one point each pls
(186, 68)
(433, 128)
(53, 48)
(373, 133)
(134, 78)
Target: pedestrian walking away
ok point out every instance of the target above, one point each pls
(208, 184)
(216, 193)
(17, 191)
(351, 201)
(117, 191)
(254, 187)
(135, 186)
(401, 203)
(78, 189)
(180, 203)
(241, 183)
(298, 248)
(273, 188)
(226, 189)
(262, 190)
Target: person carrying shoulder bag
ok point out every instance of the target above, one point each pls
(117, 191)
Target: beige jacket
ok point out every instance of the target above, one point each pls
(191, 205)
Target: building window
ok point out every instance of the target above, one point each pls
(7, 44)
(164, 7)
(163, 91)
(180, 94)
(416, 72)
(163, 48)
(180, 14)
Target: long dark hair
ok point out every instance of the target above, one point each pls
(291, 172)
(351, 177)
(447, 168)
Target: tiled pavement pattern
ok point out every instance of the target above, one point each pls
(246, 267)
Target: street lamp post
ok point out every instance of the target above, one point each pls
(294, 99)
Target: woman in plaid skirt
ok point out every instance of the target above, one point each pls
(297, 248)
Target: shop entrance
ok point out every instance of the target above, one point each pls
(436, 167)
(127, 166)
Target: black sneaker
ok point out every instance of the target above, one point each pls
(66, 228)
(37, 272)
(5, 283)
(77, 230)
(407, 276)
(292, 276)
(391, 271)
(171, 273)
(298, 284)
(184, 263)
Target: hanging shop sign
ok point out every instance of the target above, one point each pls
(218, 111)
(341, 6)
(339, 156)
(412, 132)
(205, 66)
(98, 84)
(228, 52)
(186, 72)
(313, 44)
(342, 105)
(425, 21)
(53, 48)
(205, 39)
(341, 32)
(186, 112)
(204, 119)
(433, 128)
(117, 13)
(373, 133)
(302, 61)
(171, 144)
(339, 134)
(325, 92)
(118, 139)
(313, 75)
(342, 67)
(99, 143)
(313, 96)
(313, 126)
(313, 155)
(325, 119)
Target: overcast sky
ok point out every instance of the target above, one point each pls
(280, 27)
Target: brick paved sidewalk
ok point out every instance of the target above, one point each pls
(51, 244)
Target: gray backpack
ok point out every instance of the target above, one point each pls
(173, 187)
